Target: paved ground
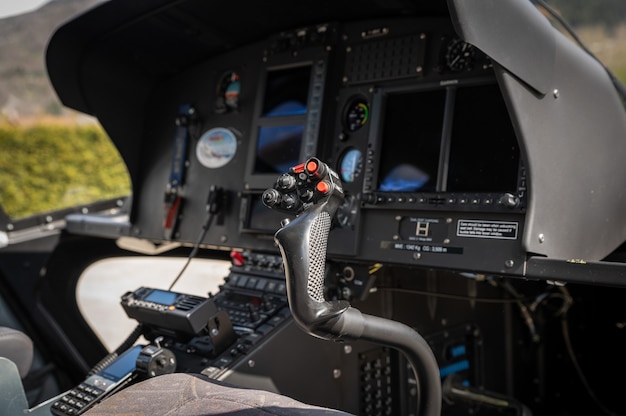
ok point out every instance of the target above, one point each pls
(103, 284)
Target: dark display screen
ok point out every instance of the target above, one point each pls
(286, 91)
(283, 116)
(484, 154)
(412, 132)
(278, 148)
(161, 296)
(477, 153)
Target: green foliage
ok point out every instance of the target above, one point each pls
(620, 73)
(46, 167)
(591, 12)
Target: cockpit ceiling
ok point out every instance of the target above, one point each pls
(164, 37)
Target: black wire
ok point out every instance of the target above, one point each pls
(196, 247)
(213, 205)
(130, 340)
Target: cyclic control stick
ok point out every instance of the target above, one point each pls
(312, 191)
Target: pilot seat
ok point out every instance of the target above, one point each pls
(185, 394)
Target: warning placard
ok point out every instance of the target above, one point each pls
(487, 229)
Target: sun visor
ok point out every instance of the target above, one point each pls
(570, 124)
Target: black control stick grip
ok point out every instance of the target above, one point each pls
(313, 192)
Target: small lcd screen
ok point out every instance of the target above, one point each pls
(161, 296)
(278, 148)
(484, 153)
(123, 365)
(286, 91)
(412, 132)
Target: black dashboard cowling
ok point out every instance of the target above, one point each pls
(132, 66)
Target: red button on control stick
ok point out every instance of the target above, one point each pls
(311, 166)
(323, 187)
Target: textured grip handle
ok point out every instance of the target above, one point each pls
(304, 240)
(302, 244)
(318, 242)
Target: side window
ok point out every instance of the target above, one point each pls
(51, 157)
(102, 285)
(51, 166)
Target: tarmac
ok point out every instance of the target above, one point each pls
(102, 285)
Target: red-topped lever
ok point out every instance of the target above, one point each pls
(314, 198)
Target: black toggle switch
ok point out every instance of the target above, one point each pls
(271, 197)
(254, 313)
(286, 182)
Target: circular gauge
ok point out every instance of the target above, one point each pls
(351, 165)
(347, 212)
(459, 55)
(216, 147)
(228, 93)
(356, 114)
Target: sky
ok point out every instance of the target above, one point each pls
(13, 7)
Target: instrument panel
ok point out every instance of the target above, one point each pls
(410, 117)
(437, 143)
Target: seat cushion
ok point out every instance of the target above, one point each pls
(184, 394)
(17, 347)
